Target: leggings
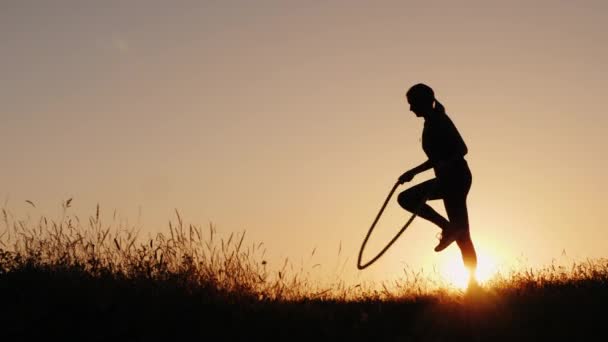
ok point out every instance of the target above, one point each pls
(453, 191)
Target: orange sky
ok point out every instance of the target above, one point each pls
(287, 119)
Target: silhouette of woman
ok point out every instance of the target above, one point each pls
(445, 150)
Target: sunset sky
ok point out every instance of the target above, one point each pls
(287, 119)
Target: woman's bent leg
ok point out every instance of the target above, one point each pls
(414, 200)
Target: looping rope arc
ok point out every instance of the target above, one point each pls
(369, 232)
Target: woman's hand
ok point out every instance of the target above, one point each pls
(407, 176)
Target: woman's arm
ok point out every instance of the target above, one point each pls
(409, 174)
(427, 165)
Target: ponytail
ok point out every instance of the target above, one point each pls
(439, 107)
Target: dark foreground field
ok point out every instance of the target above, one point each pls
(60, 280)
(38, 304)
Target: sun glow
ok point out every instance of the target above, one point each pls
(456, 274)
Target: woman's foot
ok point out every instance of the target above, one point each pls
(447, 237)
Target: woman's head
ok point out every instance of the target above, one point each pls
(421, 99)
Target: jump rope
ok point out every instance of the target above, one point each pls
(369, 232)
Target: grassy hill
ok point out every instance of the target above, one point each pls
(68, 280)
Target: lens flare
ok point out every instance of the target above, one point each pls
(457, 275)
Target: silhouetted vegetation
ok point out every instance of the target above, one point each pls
(90, 281)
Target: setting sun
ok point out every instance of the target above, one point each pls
(453, 271)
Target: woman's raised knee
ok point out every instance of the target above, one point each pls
(408, 201)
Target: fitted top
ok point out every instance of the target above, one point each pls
(441, 140)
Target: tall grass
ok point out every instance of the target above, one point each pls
(193, 256)
(96, 280)
(232, 269)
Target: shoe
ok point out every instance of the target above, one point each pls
(447, 238)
